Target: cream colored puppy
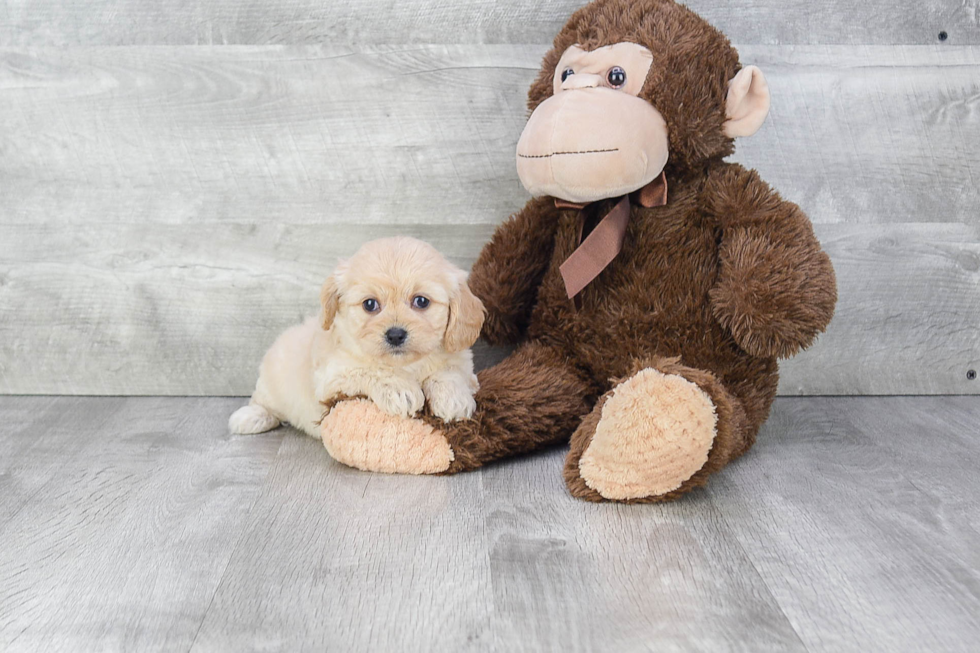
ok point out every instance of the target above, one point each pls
(396, 325)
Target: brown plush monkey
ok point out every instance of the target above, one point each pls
(650, 288)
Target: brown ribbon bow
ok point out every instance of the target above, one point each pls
(605, 242)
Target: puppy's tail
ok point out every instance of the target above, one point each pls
(251, 419)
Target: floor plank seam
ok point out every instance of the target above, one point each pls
(733, 538)
(487, 549)
(237, 546)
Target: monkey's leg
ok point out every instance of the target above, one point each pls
(655, 435)
(531, 399)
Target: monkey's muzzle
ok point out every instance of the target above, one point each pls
(588, 144)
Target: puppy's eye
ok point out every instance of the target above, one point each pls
(616, 77)
(420, 302)
(567, 73)
(371, 305)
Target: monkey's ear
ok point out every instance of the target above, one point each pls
(330, 301)
(466, 315)
(747, 104)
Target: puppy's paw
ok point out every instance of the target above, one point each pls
(400, 400)
(450, 401)
(251, 419)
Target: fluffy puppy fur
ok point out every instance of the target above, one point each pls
(396, 325)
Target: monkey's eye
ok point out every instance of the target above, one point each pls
(420, 302)
(616, 77)
(566, 74)
(371, 305)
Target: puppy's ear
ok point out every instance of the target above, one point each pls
(466, 314)
(330, 300)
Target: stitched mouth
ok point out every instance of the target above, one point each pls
(546, 156)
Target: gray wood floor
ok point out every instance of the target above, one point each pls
(141, 524)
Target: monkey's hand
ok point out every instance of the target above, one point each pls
(776, 289)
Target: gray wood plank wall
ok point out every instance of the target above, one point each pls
(176, 180)
(252, 22)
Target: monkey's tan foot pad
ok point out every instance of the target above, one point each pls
(654, 433)
(359, 434)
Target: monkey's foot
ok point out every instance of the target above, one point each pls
(643, 440)
(359, 434)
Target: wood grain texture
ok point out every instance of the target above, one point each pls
(319, 135)
(871, 134)
(118, 518)
(845, 504)
(908, 314)
(570, 576)
(163, 309)
(851, 525)
(338, 559)
(252, 22)
(166, 210)
(37, 438)
(167, 309)
(258, 135)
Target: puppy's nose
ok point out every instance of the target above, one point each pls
(396, 336)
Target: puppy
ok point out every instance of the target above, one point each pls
(396, 325)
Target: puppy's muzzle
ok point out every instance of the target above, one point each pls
(396, 336)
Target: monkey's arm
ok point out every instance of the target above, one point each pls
(776, 288)
(509, 270)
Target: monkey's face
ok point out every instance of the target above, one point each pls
(594, 137)
(597, 133)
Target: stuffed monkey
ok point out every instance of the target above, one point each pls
(650, 286)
